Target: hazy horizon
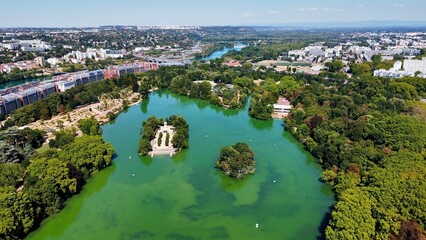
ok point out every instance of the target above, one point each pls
(79, 13)
(338, 24)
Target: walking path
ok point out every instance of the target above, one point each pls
(164, 148)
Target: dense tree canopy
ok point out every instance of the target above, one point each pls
(236, 160)
(181, 137)
(148, 131)
(88, 154)
(17, 145)
(370, 136)
(34, 189)
(89, 126)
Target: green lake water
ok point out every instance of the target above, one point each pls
(184, 196)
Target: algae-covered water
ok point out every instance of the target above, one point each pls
(184, 196)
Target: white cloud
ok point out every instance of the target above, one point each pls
(398, 5)
(315, 9)
(360, 5)
(312, 9)
(273, 12)
(247, 14)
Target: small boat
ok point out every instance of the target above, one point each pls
(257, 225)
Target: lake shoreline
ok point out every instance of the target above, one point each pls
(192, 183)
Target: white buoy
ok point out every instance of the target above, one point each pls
(275, 145)
(130, 157)
(133, 174)
(257, 225)
(250, 140)
(207, 136)
(274, 181)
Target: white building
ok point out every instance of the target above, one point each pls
(40, 61)
(392, 73)
(415, 65)
(282, 106)
(107, 53)
(80, 56)
(10, 46)
(53, 61)
(65, 85)
(34, 46)
(397, 65)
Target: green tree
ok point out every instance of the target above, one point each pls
(148, 131)
(10, 174)
(334, 66)
(89, 126)
(17, 214)
(352, 217)
(54, 172)
(361, 69)
(181, 137)
(236, 160)
(160, 138)
(144, 87)
(62, 138)
(88, 153)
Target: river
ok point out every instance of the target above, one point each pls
(22, 81)
(214, 55)
(220, 53)
(185, 196)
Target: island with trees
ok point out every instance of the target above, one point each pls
(236, 160)
(163, 137)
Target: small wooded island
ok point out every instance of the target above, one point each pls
(236, 160)
(163, 137)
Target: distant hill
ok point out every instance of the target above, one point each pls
(358, 24)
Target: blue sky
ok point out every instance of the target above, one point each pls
(82, 13)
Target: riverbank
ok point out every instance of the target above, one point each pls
(219, 51)
(12, 83)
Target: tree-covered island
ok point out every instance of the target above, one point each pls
(236, 160)
(159, 136)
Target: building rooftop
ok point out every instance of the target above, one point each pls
(283, 101)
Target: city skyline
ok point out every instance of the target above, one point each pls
(78, 13)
